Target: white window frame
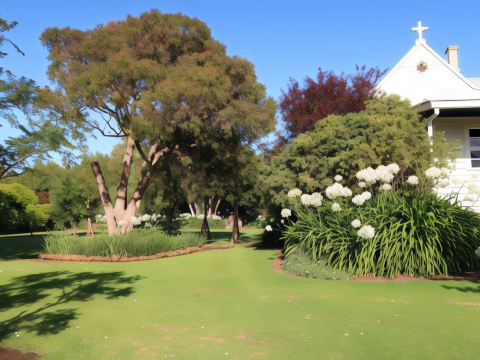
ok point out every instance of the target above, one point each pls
(471, 148)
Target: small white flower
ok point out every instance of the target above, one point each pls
(285, 213)
(433, 172)
(362, 184)
(146, 218)
(394, 168)
(148, 225)
(346, 192)
(368, 176)
(445, 171)
(366, 232)
(367, 195)
(443, 182)
(383, 174)
(412, 180)
(356, 223)
(336, 207)
(338, 178)
(294, 193)
(358, 200)
(306, 199)
(386, 187)
(268, 228)
(316, 199)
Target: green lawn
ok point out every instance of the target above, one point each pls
(225, 304)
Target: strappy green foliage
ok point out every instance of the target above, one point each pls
(415, 234)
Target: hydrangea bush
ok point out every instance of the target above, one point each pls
(385, 226)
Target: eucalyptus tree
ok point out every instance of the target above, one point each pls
(161, 82)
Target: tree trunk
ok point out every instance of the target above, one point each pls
(135, 202)
(89, 228)
(192, 209)
(205, 228)
(105, 197)
(210, 203)
(217, 204)
(121, 201)
(235, 238)
(169, 216)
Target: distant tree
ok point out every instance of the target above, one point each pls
(69, 203)
(302, 105)
(160, 81)
(20, 209)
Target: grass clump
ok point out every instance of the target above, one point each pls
(139, 242)
(299, 263)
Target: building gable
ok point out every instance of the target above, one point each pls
(423, 75)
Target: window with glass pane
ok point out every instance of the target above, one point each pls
(474, 135)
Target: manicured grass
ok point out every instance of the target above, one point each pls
(229, 304)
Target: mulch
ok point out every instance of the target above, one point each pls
(13, 354)
(118, 258)
(277, 265)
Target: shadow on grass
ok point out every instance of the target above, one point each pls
(20, 246)
(55, 290)
(474, 288)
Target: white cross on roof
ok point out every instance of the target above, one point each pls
(420, 29)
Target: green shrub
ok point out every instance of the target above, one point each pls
(136, 243)
(299, 263)
(196, 223)
(415, 233)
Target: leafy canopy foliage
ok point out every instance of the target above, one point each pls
(160, 80)
(330, 94)
(38, 135)
(387, 131)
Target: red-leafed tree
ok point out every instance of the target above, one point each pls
(302, 105)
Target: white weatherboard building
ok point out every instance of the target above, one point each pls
(450, 101)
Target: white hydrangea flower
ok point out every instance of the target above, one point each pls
(356, 223)
(346, 192)
(383, 174)
(122, 222)
(148, 225)
(316, 199)
(136, 220)
(268, 228)
(358, 200)
(367, 175)
(336, 207)
(285, 213)
(394, 168)
(294, 193)
(386, 187)
(367, 195)
(306, 199)
(337, 190)
(433, 172)
(412, 180)
(445, 171)
(146, 218)
(338, 178)
(366, 232)
(362, 184)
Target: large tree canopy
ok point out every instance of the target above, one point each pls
(388, 130)
(328, 94)
(162, 82)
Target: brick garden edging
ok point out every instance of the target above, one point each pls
(118, 258)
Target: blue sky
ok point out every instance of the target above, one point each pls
(284, 39)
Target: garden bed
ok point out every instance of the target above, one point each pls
(119, 258)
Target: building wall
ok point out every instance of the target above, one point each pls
(462, 175)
